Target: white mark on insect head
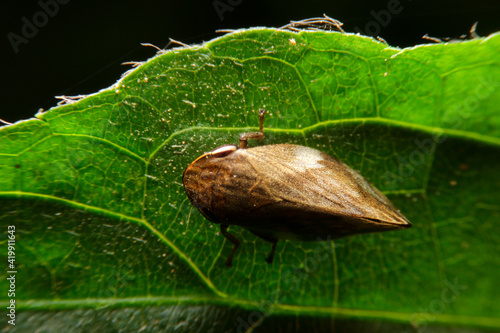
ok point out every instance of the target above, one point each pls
(306, 159)
(223, 151)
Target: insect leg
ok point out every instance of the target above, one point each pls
(234, 240)
(270, 239)
(254, 135)
(271, 255)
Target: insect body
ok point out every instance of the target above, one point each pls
(285, 191)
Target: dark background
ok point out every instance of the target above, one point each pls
(79, 47)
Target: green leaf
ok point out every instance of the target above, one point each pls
(105, 233)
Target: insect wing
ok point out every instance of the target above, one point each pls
(319, 183)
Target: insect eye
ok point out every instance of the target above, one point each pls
(223, 151)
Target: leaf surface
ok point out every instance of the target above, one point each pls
(94, 189)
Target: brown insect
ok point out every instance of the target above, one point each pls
(285, 191)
